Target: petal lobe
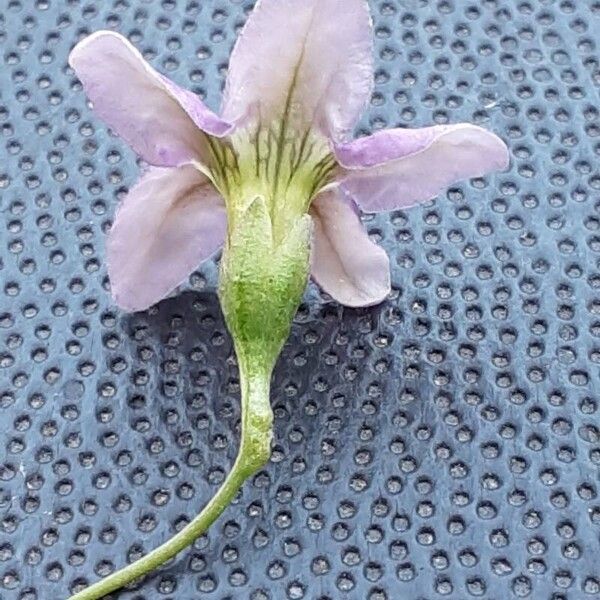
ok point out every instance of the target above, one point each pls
(161, 121)
(309, 61)
(399, 168)
(166, 226)
(345, 262)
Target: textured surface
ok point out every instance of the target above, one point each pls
(445, 444)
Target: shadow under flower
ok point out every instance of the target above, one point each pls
(347, 417)
(182, 357)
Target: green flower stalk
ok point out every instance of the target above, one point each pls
(276, 181)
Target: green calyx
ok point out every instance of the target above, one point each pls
(261, 282)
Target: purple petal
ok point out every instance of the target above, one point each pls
(168, 224)
(310, 60)
(399, 168)
(160, 120)
(345, 262)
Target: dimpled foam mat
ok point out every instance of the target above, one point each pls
(445, 444)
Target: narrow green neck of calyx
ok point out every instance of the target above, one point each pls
(257, 418)
(285, 164)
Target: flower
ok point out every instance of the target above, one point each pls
(300, 75)
(276, 180)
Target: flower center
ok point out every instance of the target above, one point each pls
(284, 166)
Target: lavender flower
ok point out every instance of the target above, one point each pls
(276, 181)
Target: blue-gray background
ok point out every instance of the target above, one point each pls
(444, 444)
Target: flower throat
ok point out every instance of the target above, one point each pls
(285, 167)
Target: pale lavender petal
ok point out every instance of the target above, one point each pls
(310, 60)
(399, 168)
(345, 262)
(161, 121)
(170, 222)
